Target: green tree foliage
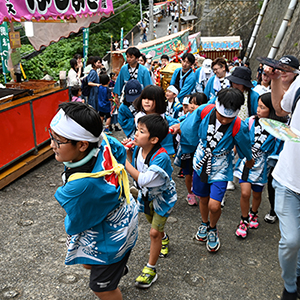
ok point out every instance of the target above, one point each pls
(56, 57)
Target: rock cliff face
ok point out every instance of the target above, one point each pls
(229, 17)
(271, 22)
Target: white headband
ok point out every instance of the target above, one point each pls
(173, 89)
(68, 128)
(225, 112)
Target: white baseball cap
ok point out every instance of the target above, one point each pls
(186, 100)
(206, 65)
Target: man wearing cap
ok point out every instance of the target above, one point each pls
(132, 70)
(184, 77)
(285, 93)
(127, 112)
(203, 74)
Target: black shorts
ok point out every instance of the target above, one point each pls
(105, 278)
(104, 114)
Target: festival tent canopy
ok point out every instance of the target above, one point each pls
(221, 43)
(164, 45)
(64, 16)
(220, 46)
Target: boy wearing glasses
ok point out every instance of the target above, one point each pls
(101, 220)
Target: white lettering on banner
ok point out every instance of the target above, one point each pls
(10, 8)
(62, 6)
(41, 6)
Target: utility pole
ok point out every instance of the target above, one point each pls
(179, 22)
(141, 11)
(150, 38)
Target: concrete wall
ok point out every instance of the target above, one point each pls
(231, 17)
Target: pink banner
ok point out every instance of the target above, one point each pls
(64, 9)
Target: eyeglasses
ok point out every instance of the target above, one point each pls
(57, 143)
(216, 69)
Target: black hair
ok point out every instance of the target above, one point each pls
(103, 71)
(231, 98)
(75, 89)
(156, 125)
(86, 116)
(221, 62)
(133, 51)
(77, 56)
(200, 98)
(155, 93)
(267, 101)
(104, 79)
(112, 74)
(165, 56)
(73, 63)
(143, 56)
(189, 56)
(95, 59)
(90, 60)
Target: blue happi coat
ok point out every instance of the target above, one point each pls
(194, 137)
(168, 141)
(188, 86)
(143, 78)
(101, 225)
(164, 197)
(126, 120)
(213, 87)
(258, 174)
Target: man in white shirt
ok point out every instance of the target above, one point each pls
(286, 177)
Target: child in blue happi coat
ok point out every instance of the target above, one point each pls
(195, 100)
(127, 111)
(101, 218)
(152, 101)
(173, 105)
(151, 169)
(262, 146)
(213, 131)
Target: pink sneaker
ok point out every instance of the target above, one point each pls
(191, 199)
(253, 223)
(242, 230)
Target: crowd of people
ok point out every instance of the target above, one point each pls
(208, 120)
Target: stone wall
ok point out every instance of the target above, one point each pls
(271, 22)
(229, 17)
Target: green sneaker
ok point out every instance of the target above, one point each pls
(164, 247)
(146, 279)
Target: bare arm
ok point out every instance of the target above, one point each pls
(132, 170)
(277, 91)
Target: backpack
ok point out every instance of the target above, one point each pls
(237, 122)
(85, 88)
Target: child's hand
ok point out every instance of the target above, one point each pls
(250, 163)
(127, 143)
(174, 129)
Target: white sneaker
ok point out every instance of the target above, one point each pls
(230, 186)
(223, 202)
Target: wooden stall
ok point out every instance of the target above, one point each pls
(220, 46)
(24, 123)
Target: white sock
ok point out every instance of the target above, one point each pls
(150, 266)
